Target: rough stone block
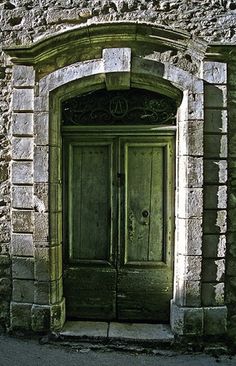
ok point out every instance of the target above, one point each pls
(192, 105)
(22, 148)
(22, 197)
(58, 314)
(215, 197)
(22, 172)
(41, 128)
(22, 245)
(40, 318)
(22, 221)
(41, 232)
(189, 267)
(41, 191)
(189, 236)
(188, 293)
(190, 171)
(186, 321)
(23, 75)
(23, 291)
(23, 100)
(22, 124)
(42, 264)
(232, 144)
(215, 171)
(20, 316)
(42, 294)
(214, 72)
(41, 103)
(23, 268)
(213, 294)
(5, 288)
(190, 203)
(215, 146)
(41, 157)
(215, 96)
(215, 222)
(213, 270)
(214, 246)
(216, 120)
(215, 320)
(117, 66)
(191, 138)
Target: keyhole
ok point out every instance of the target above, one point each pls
(145, 213)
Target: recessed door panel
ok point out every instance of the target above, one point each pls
(90, 276)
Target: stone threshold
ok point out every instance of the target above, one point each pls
(138, 332)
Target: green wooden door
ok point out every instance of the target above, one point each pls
(118, 227)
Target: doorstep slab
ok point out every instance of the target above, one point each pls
(85, 329)
(138, 331)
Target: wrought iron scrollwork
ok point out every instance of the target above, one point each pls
(127, 107)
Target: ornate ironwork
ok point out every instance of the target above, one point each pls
(126, 107)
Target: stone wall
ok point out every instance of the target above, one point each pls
(24, 22)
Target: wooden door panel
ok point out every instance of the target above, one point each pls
(144, 287)
(144, 202)
(90, 274)
(90, 202)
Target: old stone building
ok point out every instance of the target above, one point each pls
(117, 163)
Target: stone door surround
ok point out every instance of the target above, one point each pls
(36, 246)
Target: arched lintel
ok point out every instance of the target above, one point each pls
(88, 41)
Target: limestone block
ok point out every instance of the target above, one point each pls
(22, 245)
(56, 196)
(192, 106)
(41, 191)
(58, 314)
(22, 196)
(186, 320)
(190, 138)
(215, 171)
(41, 231)
(190, 171)
(117, 66)
(41, 103)
(22, 221)
(216, 120)
(188, 267)
(215, 146)
(215, 197)
(40, 318)
(215, 320)
(23, 100)
(23, 75)
(215, 96)
(41, 157)
(20, 315)
(23, 268)
(215, 222)
(213, 270)
(23, 291)
(42, 264)
(41, 128)
(214, 246)
(42, 294)
(22, 124)
(190, 202)
(189, 236)
(188, 293)
(22, 148)
(22, 172)
(213, 294)
(214, 72)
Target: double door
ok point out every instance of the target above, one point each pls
(118, 214)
